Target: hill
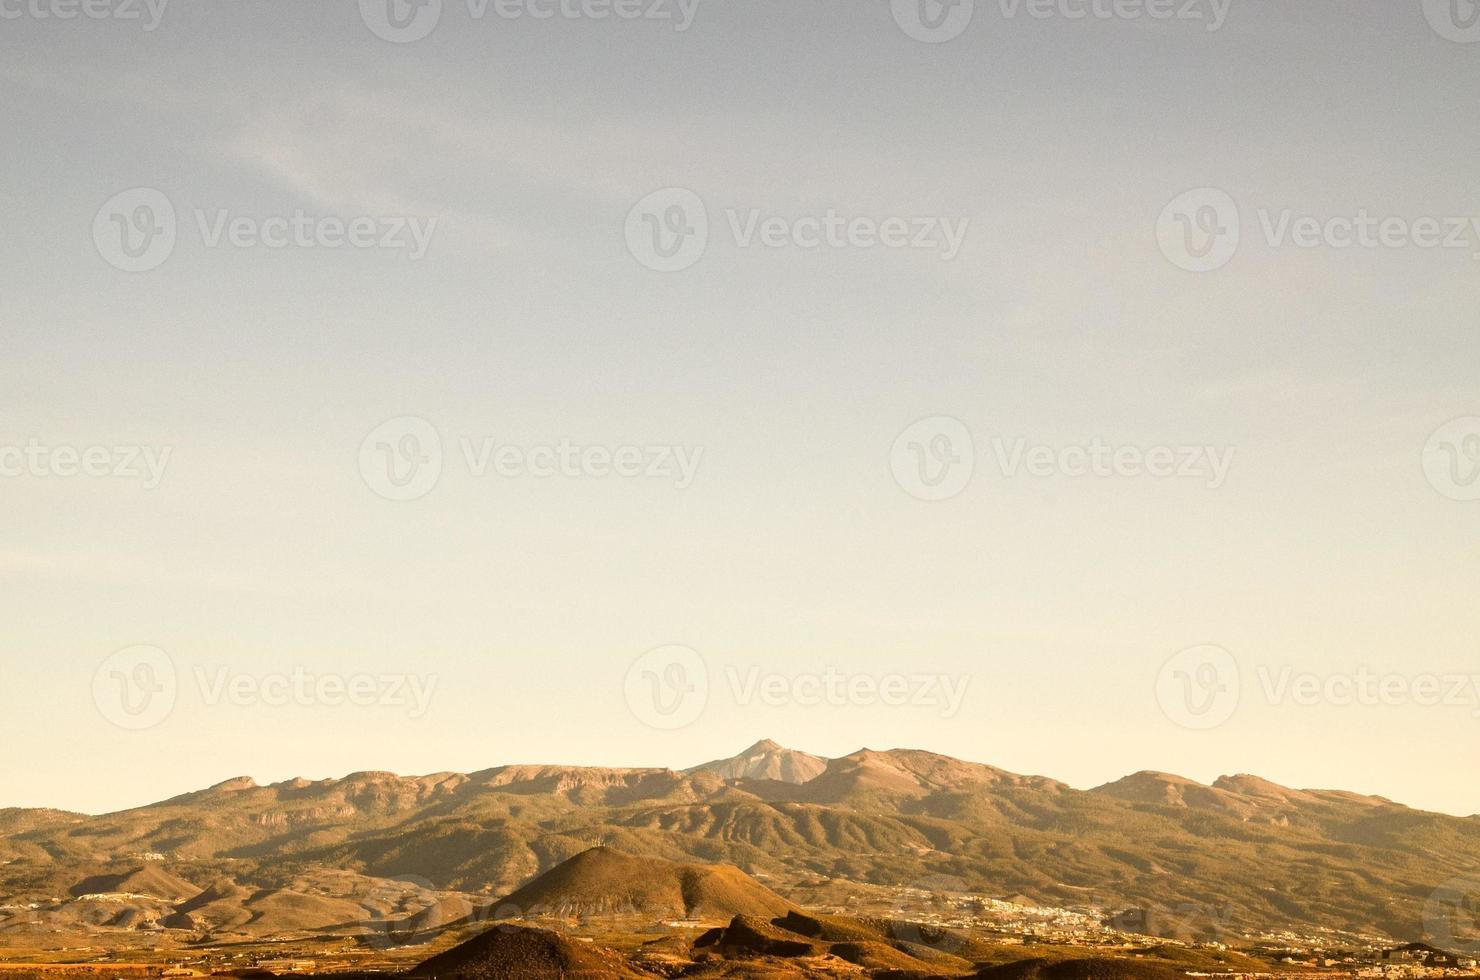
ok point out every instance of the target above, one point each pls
(604, 882)
(151, 881)
(508, 953)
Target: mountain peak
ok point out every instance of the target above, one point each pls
(767, 760)
(1150, 786)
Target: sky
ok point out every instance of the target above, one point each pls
(426, 388)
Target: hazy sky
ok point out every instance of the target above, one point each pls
(797, 542)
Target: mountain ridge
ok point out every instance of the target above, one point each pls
(1150, 840)
(739, 766)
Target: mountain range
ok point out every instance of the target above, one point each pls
(1242, 853)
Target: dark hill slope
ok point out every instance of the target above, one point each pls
(506, 953)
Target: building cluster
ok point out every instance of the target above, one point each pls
(1328, 951)
(1418, 960)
